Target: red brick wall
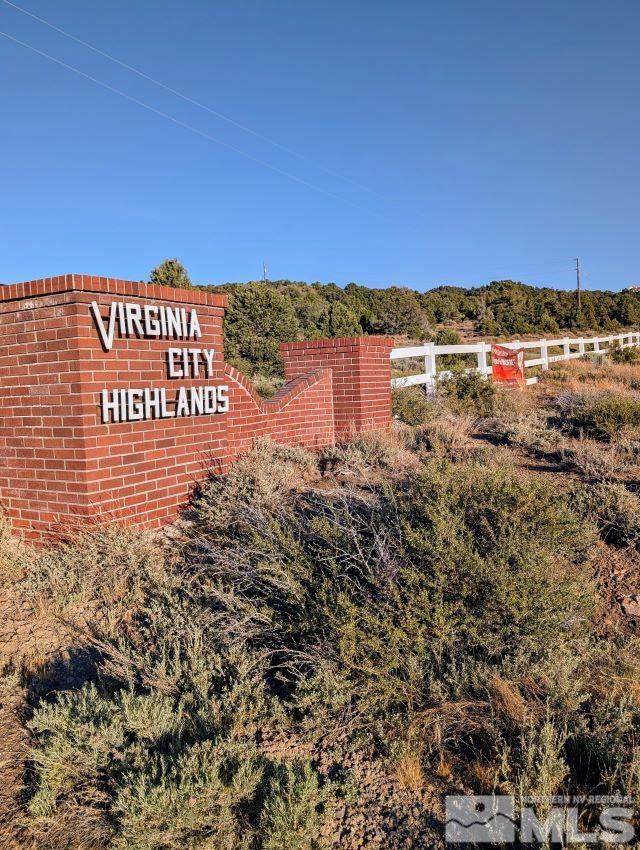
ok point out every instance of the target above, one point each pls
(361, 369)
(300, 413)
(59, 462)
(41, 447)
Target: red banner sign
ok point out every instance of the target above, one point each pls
(507, 366)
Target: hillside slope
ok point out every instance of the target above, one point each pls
(261, 315)
(327, 645)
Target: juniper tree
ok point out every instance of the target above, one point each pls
(171, 273)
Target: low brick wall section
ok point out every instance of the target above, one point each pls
(78, 353)
(360, 366)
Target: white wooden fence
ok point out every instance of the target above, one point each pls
(570, 348)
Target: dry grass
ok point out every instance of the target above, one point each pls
(267, 385)
(625, 686)
(571, 400)
(628, 440)
(14, 752)
(601, 373)
(572, 393)
(600, 413)
(257, 482)
(595, 460)
(614, 509)
(96, 575)
(516, 402)
(444, 769)
(373, 454)
(448, 435)
(528, 430)
(448, 721)
(14, 555)
(409, 773)
(618, 675)
(507, 700)
(481, 777)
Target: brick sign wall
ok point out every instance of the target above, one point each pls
(115, 398)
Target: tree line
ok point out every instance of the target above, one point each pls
(263, 314)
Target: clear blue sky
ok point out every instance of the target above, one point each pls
(483, 140)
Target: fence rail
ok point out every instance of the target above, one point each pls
(571, 347)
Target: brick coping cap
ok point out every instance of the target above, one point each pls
(338, 342)
(109, 286)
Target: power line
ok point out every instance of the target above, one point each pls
(184, 125)
(181, 95)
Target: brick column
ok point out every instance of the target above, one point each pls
(361, 376)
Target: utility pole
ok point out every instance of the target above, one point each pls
(578, 282)
(264, 272)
